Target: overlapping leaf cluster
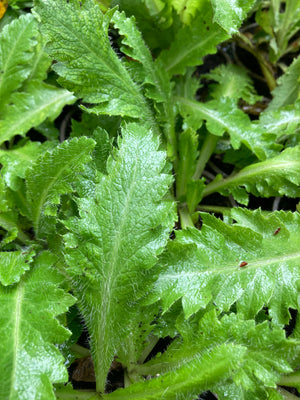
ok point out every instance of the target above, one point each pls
(94, 214)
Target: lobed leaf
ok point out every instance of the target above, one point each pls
(113, 246)
(229, 355)
(288, 87)
(261, 349)
(193, 42)
(51, 176)
(30, 361)
(277, 176)
(254, 262)
(13, 265)
(222, 116)
(86, 63)
(230, 14)
(15, 162)
(282, 121)
(29, 109)
(17, 41)
(232, 81)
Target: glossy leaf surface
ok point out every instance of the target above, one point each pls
(51, 176)
(29, 109)
(245, 263)
(277, 176)
(29, 332)
(16, 53)
(80, 28)
(112, 247)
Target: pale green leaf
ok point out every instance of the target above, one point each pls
(13, 265)
(222, 116)
(288, 87)
(112, 247)
(207, 265)
(15, 162)
(276, 176)
(187, 9)
(51, 176)
(86, 63)
(17, 41)
(230, 14)
(192, 43)
(30, 361)
(29, 109)
(232, 81)
(282, 121)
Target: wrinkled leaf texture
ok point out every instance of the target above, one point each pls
(229, 355)
(30, 361)
(86, 63)
(113, 246)
(51, 176)
(204, 266)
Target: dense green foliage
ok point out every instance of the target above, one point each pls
(116, 214)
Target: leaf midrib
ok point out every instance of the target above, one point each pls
(181, 55)
(20, 36)
(13, 128)
(16, 340)
(229, 268)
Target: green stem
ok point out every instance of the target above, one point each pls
(207, 149)
(292, 379)
(287, 395)
(266, 69)
(152, 343)
(185, 217)
(127, 380)
(80, 350)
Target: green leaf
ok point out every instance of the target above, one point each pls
(276, 176)
(13, 265)
(288, 87)
(217, 365)
(187, 9)
(134, 46)
(86, 63)
(230, 15)
(205, 266)
(265, 350)
(223, 116)
(192, 43)
(15, 162)
(51, 176)
(17, 41)
(148, 73)
(30, 361)
(29, 109)
(112, 247)
(232, 81)
(230, 355)
(282, 120)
